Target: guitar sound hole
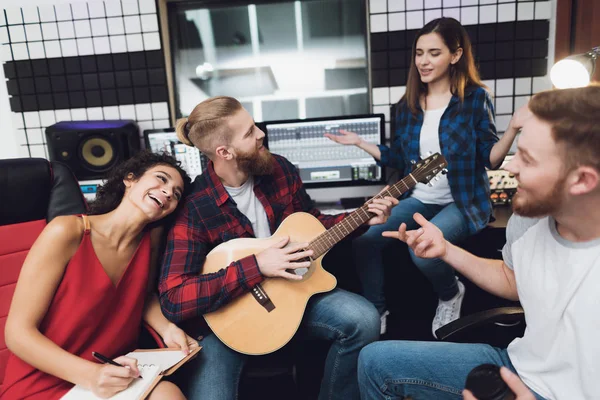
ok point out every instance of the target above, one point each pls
(300, 271)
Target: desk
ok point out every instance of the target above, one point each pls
(332, 208)
(501, 213)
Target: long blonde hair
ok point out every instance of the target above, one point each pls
(205, 128)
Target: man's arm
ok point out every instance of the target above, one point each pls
(493, 276)
(428, 241)
(186, 293)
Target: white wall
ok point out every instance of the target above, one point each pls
(8, 134)
(28, 127)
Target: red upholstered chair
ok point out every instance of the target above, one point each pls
(32, 192)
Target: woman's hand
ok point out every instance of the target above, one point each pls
(519, 117)
(110, 379)
(174, 337)
(345, 137)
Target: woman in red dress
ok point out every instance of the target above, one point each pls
(86, 285)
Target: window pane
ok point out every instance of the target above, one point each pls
(276, 27)
(285, 59)
(279, 109)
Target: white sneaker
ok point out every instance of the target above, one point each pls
(383, 319)
(448, 310)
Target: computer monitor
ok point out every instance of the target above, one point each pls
(322, 162)
(165, 141)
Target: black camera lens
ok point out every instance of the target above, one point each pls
(485, 382)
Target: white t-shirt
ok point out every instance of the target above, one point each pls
(249, 205)
(558, 282)
(429, 141)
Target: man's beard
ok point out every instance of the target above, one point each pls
(538, 207)
(256, 162)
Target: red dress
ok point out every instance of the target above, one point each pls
(88, 313)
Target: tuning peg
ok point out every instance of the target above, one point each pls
(430, 184)
(413, 162)
(437, 178)
(429, 153)
(444, 171)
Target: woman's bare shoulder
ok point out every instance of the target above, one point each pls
(66, 228)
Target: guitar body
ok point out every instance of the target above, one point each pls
(244, 324)
(266, 318)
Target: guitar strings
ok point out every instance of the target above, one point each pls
(332, 236)
(335, 234)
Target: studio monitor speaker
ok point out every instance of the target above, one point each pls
(92, 148)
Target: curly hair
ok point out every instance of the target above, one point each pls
(111, 193)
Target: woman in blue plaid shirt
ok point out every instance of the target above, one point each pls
(445, 109)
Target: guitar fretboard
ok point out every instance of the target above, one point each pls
(326, 240)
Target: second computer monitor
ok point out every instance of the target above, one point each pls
(165, 141)
(322, 162)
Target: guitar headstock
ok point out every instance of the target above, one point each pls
(425, 170)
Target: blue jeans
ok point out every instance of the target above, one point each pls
(422, 370)
(345, 319)
(369, 249)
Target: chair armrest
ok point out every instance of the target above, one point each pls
(157, 338)
(506, 315)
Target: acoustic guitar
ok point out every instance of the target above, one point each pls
(267, 317)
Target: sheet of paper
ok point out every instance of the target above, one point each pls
(138, 387)
(165, 359)
(134, 392)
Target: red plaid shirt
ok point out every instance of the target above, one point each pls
(210, 217)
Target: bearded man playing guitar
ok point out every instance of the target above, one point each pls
(246, 193)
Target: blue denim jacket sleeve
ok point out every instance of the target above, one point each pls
(485, 127)
(384, 160)
(393, 157)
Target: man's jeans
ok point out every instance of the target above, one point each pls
(345, 319)
(422, 370)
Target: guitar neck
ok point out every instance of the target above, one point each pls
(325, 241)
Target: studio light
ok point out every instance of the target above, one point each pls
(575, 71)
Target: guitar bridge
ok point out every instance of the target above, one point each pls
(262, 298)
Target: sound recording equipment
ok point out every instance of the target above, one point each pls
(503, 185)
(165, 140)
(92, 148)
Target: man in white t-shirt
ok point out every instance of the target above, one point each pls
(551, 264)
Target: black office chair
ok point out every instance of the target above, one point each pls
(487, 318)
(507, 322)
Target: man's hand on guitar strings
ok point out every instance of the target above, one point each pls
(427, 241)
(382, 208)
(275, 260)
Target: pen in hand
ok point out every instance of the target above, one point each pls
(107, 360)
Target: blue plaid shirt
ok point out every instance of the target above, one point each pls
(467, 135)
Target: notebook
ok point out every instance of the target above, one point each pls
(153, 365)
